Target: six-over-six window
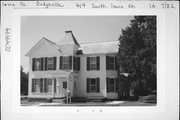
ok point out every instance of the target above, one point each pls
(93, 85)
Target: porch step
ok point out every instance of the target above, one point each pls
(58, 100)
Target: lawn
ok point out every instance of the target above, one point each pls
(149, 100)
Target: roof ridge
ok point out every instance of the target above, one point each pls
(99, 42)
(49, 40)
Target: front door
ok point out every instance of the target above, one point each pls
(61, 87)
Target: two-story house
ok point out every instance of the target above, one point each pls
(86, 70)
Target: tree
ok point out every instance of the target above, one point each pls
(137, 53)
(24, 82)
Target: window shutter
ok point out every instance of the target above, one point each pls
(88, 63)
(88, 85)
(42, 63)
(78, 62)
(55, 85)
(116, 64)
(33, 64)
(41, 85)
(98, 84)
(70, 62)
(74, 63)
(45, 63)
(98, 62)
(107, 63)
(33, 85)
(60, 62)
(107, 84)
(117, 84)
(54, 63)
(45, 84)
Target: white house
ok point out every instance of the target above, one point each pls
(86, 70)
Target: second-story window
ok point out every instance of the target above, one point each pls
(93, 63)
(50, 64)
(65, 63)
(38, 64)
(111, 63)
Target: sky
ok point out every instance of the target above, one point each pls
(85, 29)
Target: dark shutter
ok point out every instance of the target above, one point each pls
(42, 63)
(74, 63)
(98, 84)
(54, 63)
(41, 85)
(107, 84)
(70, 62)
(55, 85)
(116, 64)
(45, 84)
(60, 62)
(98, 62)
(33, 85)
(107, 63)
(33, 64)
(45, 63)
(117, 84)
(88, 63)
(88, 85)
(78, 63)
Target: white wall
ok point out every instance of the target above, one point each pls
(81, 83)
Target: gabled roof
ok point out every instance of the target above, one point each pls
(40, 42)
(99, 47)
(68, 39)
(84, 48)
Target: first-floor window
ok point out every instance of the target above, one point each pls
(111, 85)
(36, 85)
(48, 85)
(93, 85)
(42, 85)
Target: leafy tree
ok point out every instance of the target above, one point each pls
(137, 53)
(24, 82)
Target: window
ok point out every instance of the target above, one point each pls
(42, 85)
(93, 85)
(65, 62)
(37, 64)
(111, 85)
(49, 85)
(92, 63)
(111, 63)
(44, 63)
(50, 64)
(64, 85)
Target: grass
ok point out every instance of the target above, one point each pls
(106, 103)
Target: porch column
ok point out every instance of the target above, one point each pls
(53, 83)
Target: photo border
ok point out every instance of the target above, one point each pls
(17, 13)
